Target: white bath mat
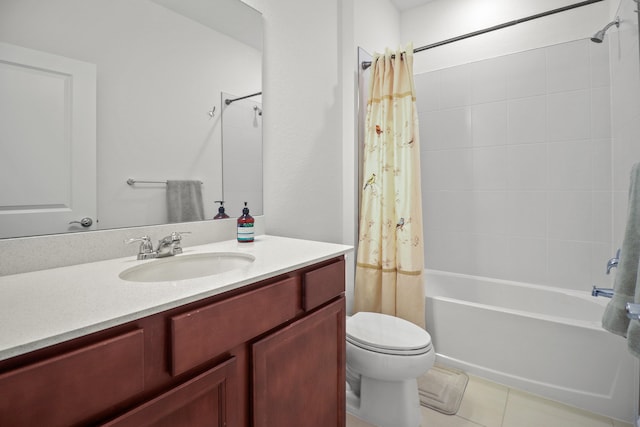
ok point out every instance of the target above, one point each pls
(442, 389)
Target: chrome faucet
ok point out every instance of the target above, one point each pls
(167, 246)
(146, 247)
(613, 262)
(170, 245)
(633, 311)
(602, 292)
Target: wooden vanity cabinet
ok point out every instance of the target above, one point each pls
(298, 372)
(202, 401)
(268, 354)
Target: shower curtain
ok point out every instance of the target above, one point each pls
(390, 256)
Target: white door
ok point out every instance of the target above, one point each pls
(47, 143)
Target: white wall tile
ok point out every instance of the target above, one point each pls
(455, 87)
(489, 171)
(568, 66)
(570, 165)
(527, 214)
(568, 115)
(456, 208)
(601, 112)
(488, 80)
(447, 170)
(489, 124)
(620, 214)
(449, 252)
(567, 262)
(445, 129)
(599, 64)
(527, 120)
(527, 260)
(488, 212)
(490, 254)
(570, 215)
(527, 167)
(626, 152)
(526, 74)
(520, 163)
(427, 85)
(602, 216)
(601, 174)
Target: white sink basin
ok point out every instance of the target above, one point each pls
(183, 267)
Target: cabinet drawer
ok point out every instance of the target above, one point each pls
(322, 284)
(201, 401)
(204, 333)
(67, 389)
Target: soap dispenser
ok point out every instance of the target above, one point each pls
(221, 213)
(245, 226)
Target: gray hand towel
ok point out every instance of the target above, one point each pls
(625, 284)
(184, 201)
(633, 333)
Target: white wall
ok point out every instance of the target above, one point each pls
(377, 26)
(159, 74)
(302, 123)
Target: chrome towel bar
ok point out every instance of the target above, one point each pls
(132, 181)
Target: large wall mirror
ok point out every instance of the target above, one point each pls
(95, 93)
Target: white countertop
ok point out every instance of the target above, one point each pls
(42, 308)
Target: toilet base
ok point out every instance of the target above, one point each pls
(386, 403)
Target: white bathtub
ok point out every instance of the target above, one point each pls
(540, 339)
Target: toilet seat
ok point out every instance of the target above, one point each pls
(381, 333)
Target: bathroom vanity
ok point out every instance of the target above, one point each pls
(259, 346)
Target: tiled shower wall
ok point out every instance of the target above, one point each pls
(516, 166)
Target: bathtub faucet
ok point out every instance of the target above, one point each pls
(613, 262)
(602, 292)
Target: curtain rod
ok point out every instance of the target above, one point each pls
(367, 64)
(229, 101)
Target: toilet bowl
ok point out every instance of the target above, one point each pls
(385, 356)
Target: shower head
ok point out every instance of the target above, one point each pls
(599, 36)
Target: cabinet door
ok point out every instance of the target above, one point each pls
(299, 372)
(70, 388)
(200, 402)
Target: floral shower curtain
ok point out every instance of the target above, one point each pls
(390, 256)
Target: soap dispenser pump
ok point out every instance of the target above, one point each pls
(221, 212)
(245, 226)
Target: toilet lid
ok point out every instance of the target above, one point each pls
(387, 334)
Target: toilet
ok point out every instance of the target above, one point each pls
(385, 356)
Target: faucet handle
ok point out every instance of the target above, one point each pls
(613, 262)
(174, 237)
(170, 245)
(177, 235)
(633, 311)
(146, 247)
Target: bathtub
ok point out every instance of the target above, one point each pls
(539, 339)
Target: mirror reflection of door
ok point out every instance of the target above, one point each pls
(48, 143)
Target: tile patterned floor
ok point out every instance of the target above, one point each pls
(486, 404)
